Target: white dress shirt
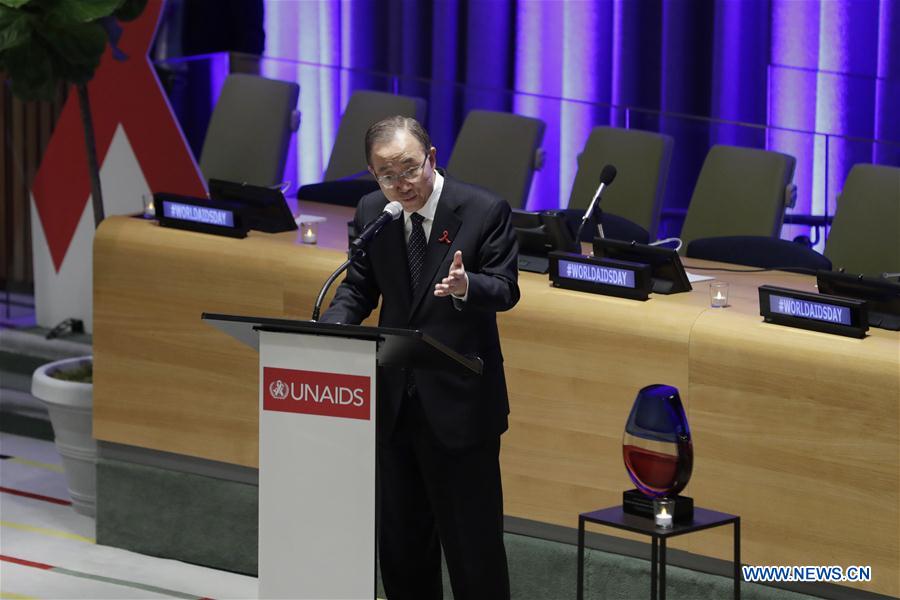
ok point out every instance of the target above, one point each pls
(427, 211)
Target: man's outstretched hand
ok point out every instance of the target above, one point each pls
(456, 282)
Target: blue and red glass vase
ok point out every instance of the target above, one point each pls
(657, 447)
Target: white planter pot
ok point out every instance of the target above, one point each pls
(71, 413)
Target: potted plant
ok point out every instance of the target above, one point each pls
(66, 387)
(47, 42)
(43, 44)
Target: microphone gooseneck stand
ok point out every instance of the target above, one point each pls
(355, 254)
(607, 175)
(357, 251)
(595, 214)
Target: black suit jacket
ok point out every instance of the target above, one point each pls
(462, 410)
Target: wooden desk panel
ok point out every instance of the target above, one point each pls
(795, 431)
(163, 379)
(574, 364)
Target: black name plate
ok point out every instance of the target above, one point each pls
(199, 214)
(818, 312)
(605, 276)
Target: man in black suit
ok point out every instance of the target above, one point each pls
(446, 267)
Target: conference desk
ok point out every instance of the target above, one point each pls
(796, 431)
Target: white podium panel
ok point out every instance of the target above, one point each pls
(316, 467)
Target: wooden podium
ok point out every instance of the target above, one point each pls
(317, 446)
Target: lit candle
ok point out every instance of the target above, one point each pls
(663, 519)
(309, 233)
(308, 228)
(149, 210)
(718, 294)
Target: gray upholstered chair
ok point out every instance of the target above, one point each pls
(758, 251)
(348, 156)
(250, 130)
(740, 191)
(642, 160)
(865, 233)
(346, 177)
(498, 151)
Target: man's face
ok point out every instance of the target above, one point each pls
(403, 155)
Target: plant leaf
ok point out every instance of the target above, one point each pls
(14, 3)
(82, 43)
(130, 10)
(76, 50)
(30, 69)
(15, 28)
(83, 11)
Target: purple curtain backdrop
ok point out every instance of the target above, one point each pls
(817, 79)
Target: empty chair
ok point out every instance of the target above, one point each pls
(348, 156)
(758, 251)
(346, 177)
(740, 191)
(642, 160)
(865, 233)
(250, 130)
(498, 151)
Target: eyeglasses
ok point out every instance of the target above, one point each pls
(389, 181)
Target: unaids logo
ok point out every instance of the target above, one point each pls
(278, 389)
(316, 393)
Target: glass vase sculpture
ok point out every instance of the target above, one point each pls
(657, 447)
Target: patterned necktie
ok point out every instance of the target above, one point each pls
(415, 249)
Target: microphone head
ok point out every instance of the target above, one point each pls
(395, 209)
(608, 174)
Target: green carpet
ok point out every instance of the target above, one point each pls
(213, 522)
(541, 569)
(202, 520)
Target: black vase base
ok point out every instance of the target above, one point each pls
(634, 502)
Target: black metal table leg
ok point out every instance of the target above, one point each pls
(662, 569)
(737, 559)
(580, 587)
(616, 517)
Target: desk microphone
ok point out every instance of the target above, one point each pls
(392, 211)
(606, 178)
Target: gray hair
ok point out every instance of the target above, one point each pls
(384, 130)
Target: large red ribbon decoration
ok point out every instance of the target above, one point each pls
(122, 92)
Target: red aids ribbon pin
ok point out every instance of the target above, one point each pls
(445, 238)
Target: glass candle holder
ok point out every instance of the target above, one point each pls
(149, 208)
(663, 512)
(718, 294)
(309, 232)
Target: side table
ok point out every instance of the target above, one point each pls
(615, 517)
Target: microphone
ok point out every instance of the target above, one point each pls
(392, 211)
(606, 178)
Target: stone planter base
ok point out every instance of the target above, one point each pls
(70, 405)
